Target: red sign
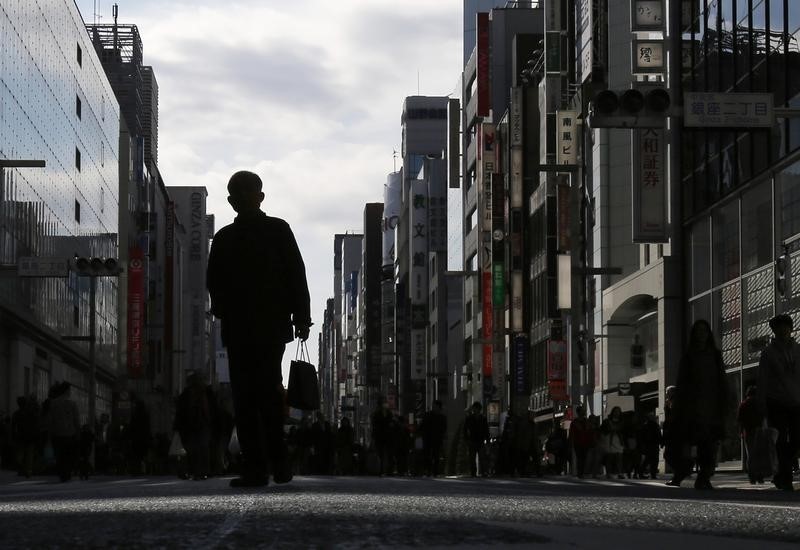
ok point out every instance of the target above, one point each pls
(487, 360)
(487, 305)
(482, 66)
(135, 311)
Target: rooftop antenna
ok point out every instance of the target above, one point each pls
(394, 160)
(115, 12)
(96, 13)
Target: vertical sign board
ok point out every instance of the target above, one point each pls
(482, 64)
(567, 137)
(557, 369)
(487, 361)
(418, 238)
(649, 186)
(583, 15)
(136, 299)
(520, 355)
(169, 277)
(392, 202)
(486, 160)
(487, 316)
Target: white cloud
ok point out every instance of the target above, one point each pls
(308, 94)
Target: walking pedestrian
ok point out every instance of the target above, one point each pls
(257, 282)
(701, 404)
(344, 448)
(64, 427)
(779, 395)
(85, 448)
(433, 429)
(476, 432)
(581, 439)
(649, 442)
(614, 442)
(750, 418)
(193, 423)
(25, 433)
(595, 455)
(381, 424)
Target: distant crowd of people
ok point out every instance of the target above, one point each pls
(49, 437)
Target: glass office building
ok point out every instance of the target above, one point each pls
(741, 189)
(56, 105)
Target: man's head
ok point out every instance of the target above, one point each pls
(476, 407)
(244, 192)
(437, 405)
(781, 325)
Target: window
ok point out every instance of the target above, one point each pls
(77, 211)
(80, 56)
(757, 227)
(78, 159)
(78, 106)
(787, 187)
(701, 257)
(725, 242)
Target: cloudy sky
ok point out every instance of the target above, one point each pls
(306, 93)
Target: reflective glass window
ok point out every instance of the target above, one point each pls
(725, 242)
(757, 227)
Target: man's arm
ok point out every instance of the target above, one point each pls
(301, 299)
(214, 277)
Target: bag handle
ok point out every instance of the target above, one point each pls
(301, 353)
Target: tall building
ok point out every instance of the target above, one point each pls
(424, 135)
(198, 353)
(368, 363)
(57, 107)
(501, 307)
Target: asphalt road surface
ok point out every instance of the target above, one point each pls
(392, 512)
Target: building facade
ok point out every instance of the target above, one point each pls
(57, 107)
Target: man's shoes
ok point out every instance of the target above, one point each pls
(703, 485)
(673, 482)
(282, 477)
(247, 481)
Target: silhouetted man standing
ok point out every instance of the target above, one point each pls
(257, 282)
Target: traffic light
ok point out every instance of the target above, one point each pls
(640, 107)
(95, 267)
(783, 275)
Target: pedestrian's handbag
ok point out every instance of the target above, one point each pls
(176, 446)
(303, 390)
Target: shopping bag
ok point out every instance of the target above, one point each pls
(176, 446)
(303, 390)
(233, 445)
